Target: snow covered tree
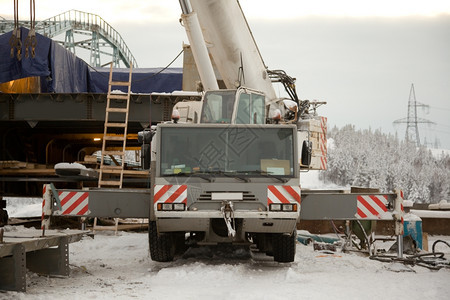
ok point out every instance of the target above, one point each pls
(368, 158)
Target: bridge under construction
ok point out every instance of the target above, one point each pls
(82, 30)
(51, 112)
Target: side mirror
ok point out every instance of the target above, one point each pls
(145, 138)
(306, 153)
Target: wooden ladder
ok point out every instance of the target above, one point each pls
(114, 137)
(120, 110)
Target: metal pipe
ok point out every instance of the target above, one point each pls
(400, 246)
(185, 7)
(47, 147)
(398, 219)
(64, 152)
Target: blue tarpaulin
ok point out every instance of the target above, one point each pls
(63, 72)
(69, 74)
(143, 80)
(60, 70)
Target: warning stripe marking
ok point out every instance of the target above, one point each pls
(283, 194)
(176, 194)
(83, 210)
(277, 194)
(75, 204)
(323, 146)
(293, 193)
(170, 194)
(377, 201)
(66, 197)
(323, 163)
(369, 206)
(162, 189)
(323, 124)
(366, 205)
(323, 143)
(360, 213)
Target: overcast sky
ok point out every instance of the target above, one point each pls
(359, 56)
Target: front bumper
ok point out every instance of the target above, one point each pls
(263, 222)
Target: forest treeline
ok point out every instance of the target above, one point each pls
(368, 158)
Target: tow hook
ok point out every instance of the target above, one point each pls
(228, 215)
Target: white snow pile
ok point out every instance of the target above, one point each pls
(431, 213)
(310, 180)
(23, 207)
(118, 92)
(443, 204)
(69, 166)
(179, 93)
(119, 267)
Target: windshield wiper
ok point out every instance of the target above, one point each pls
(228, 174)
(234, 175)
(200, 175)
(267, 174)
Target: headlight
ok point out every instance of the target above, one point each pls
(282, 207)
(275, 207)
(178, 206)
(167, 206)
(287, 207)
(171, 206)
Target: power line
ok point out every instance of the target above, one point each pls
(439, 124)
(441, 131)
(443, 108)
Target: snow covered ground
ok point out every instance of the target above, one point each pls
(119, 267)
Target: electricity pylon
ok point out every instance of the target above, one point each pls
(412, 121)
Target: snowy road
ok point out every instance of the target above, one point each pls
(119, 267)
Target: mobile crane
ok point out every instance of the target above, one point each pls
(227, 169)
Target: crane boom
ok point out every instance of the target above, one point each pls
(231, 44)
(198, 46)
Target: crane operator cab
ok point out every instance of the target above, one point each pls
(241, 106)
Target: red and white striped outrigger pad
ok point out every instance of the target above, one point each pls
(170, 194)
(372, 207)
(283, 194)
(74, 203)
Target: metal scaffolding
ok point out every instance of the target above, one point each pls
(102, 39)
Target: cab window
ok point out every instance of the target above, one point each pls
(251, 109)
(218, 107)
